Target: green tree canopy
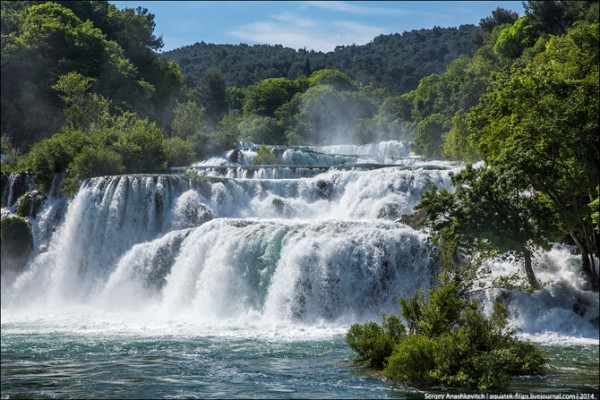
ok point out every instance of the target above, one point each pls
(540, 122)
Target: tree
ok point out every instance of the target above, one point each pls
(261, 130)
(53, 155)
(493, 213)
(430, 136)
(83, 109)
(337, 79)
(213, 96)
(446, 341)
(96, 161)
(188, 121)
(540, 123)
(327, 115)
(44, 41)
(265, 97)
(180, 152)
(140, 143)
(500, 16)
(458, 145)
(557, 16)
(514, 39)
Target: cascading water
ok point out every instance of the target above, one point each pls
(280, 254)
(113, 219)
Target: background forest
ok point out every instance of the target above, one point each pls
(84, 90)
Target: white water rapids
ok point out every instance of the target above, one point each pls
(318, 248)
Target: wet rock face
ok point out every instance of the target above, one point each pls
(3, 184)
(16, 243)
(278, 204)
(390, 211)
(236, 156)
(324, 189)
(192, 214)
(14, 186)
(30, 204)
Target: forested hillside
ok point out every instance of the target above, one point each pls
(114, 49)
(395, 62)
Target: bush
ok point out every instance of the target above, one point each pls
(140, 143)
(265, 157)
(413, 361)
(450, 342)
(179, 152)
(374, 343)
(96, 161)
(53, 155)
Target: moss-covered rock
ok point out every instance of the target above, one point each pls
(29, 204)
(16, 242)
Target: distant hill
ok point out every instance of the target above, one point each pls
(396, 62)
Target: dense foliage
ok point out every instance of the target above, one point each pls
(395, 62)
(536, 127)
(445, 340)
(113, 49)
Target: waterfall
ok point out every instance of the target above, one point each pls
(13, 186)
(232, 241)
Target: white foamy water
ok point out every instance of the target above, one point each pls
(272, 253)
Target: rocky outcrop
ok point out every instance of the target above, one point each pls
(30, 203)
(16, 243)
(14, 186)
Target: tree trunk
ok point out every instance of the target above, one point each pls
(529, 271)
(587, 267)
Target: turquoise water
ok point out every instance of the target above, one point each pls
(95, 365)
(166, 286)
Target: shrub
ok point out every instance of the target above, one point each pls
(450, 342)
(179, 152)
(53, 155)
(374, 343)
(265, 157)
(413, 361)
(96, 161)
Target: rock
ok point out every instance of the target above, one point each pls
(14, 186)
(3, 184)
(389, 211)
(414, 220)
(16, 243)
(192, 214)
(323, 189)
(278, 204)
(30, 203)
(579, 307)
(236, 156)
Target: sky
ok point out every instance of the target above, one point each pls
(313, 25)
